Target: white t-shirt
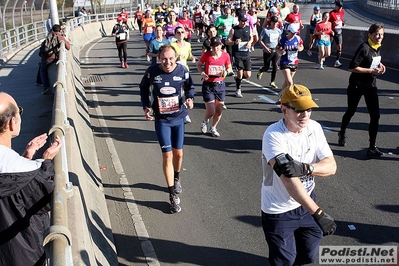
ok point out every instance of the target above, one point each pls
(12, 162)
(309, 146)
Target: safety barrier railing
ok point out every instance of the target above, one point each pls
(58, 239)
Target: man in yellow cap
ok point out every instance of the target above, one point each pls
(294, 152)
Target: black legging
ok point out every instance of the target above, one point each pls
(122, 48)
(139, 23)
(354, 93)
(267, 58)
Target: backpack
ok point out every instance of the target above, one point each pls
(49, 46)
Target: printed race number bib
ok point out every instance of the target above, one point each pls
(242, 47)
(292, 56)
(215, 71)
(325, 37)
(168, 105)
(122, 36)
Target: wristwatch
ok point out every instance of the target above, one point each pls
(310, 169)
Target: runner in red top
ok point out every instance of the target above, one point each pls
(295, 18)
(124, 15)
(323, 31)
(337, 22)
(139, 17)
(187, 23)
(216, 65)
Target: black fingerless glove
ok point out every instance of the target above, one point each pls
(325, 222)
(289, 167)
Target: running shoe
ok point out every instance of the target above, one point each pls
(224, 107)
(341, 139)
(374, 152)
(178, 188)
(141, 34)
(259, 75)
(273, 85)
(214, 132)
(239, 94)
(337, 64)
(187, 119)
(126, 65)
(309, 53)
(320, 67)
(175, 204)
(148, 58)
(204, 127)
(198, 40)
(122, 65)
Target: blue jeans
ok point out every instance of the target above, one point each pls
(44, 73)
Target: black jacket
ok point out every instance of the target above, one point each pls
(24, 207)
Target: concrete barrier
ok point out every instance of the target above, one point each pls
(88, 221)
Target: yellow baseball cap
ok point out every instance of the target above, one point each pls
(298, 96)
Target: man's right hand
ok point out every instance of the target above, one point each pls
(54, 148)
(325, 222)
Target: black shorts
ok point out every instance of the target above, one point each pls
(338, 37)
(243, 63)
(213, 90)
(199, 25)
(291, 67)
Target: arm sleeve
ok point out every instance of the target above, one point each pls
(145, 90)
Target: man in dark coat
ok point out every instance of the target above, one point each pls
(25, 188)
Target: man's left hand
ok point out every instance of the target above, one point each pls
(189, 103)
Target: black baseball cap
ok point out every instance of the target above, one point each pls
(242, 17)
(274, 19)
(215, 41)
(339, 3)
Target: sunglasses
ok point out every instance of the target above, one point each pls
(296, 110)
(179, 32)
(21, 110)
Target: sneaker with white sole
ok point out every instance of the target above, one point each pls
(178, 188)
(187, 119)
(175, 204)
(204, 127)
(224, 107)
(320, 67)
(273, 85)
(337, 64)
(239, 94)
(259, 75)
(214, 132)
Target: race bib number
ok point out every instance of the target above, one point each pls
(168, 105)
(215, 71)
(292, 56)
(376, 62)
(338, 24)
(149, 30)
(274, 36)
(122, 36)
(325, 37)
(242, 47)
(139, 16)
(197, 20)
